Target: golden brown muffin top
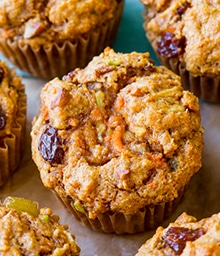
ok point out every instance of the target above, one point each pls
(194, 26)
(11, 88)
(27, 230)
(45, 21)
(186, 236)
(118, 134)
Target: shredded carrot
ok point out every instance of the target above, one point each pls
(46, 113)
(117, 139)
(114, 121)
(171, 29)
(152, 185)
(79, 141)
(96, 114)
(108, 139)
(119, 103)
(60, 172)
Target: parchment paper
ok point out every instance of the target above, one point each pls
(201, 199)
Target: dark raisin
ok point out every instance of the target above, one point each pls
(2, 72)
(176, 237)
(169, 46)
(180, 11)
(2, 120)
(50, 146)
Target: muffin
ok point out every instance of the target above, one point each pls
(50, 39)
(185, 236)
(12, 121)
(185, 36)
(113, 140)
(27, 230)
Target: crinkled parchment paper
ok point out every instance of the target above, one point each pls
(201, 199)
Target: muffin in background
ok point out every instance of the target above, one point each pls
(185, 37)
(49, 40)
(12, 121)
(114, 139)
(186, 236)
(27, 230)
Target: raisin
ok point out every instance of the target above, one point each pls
(2, 120)
(180, 11)
(169, 46)
(2, 72)
(176, 237)
(50, 146)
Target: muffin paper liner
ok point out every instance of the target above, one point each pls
(58, 59)
(205, 88)
(112, 222)
(12, 147)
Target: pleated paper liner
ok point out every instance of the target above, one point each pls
(57, 59)
(113, 222)
(12, 146)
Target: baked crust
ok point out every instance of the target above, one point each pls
(124, 132)
(205, 243)
(22, 233)
(43, 22)
(198, 22)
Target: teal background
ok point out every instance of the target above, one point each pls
(131, 35)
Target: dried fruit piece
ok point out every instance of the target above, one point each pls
(114, 62)
(180, 11)
(170, 46)
(45, 218)
(50, 146)
(176, 237)
(22, 205)
(100, 129)
(100, 97)
(79, 207)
